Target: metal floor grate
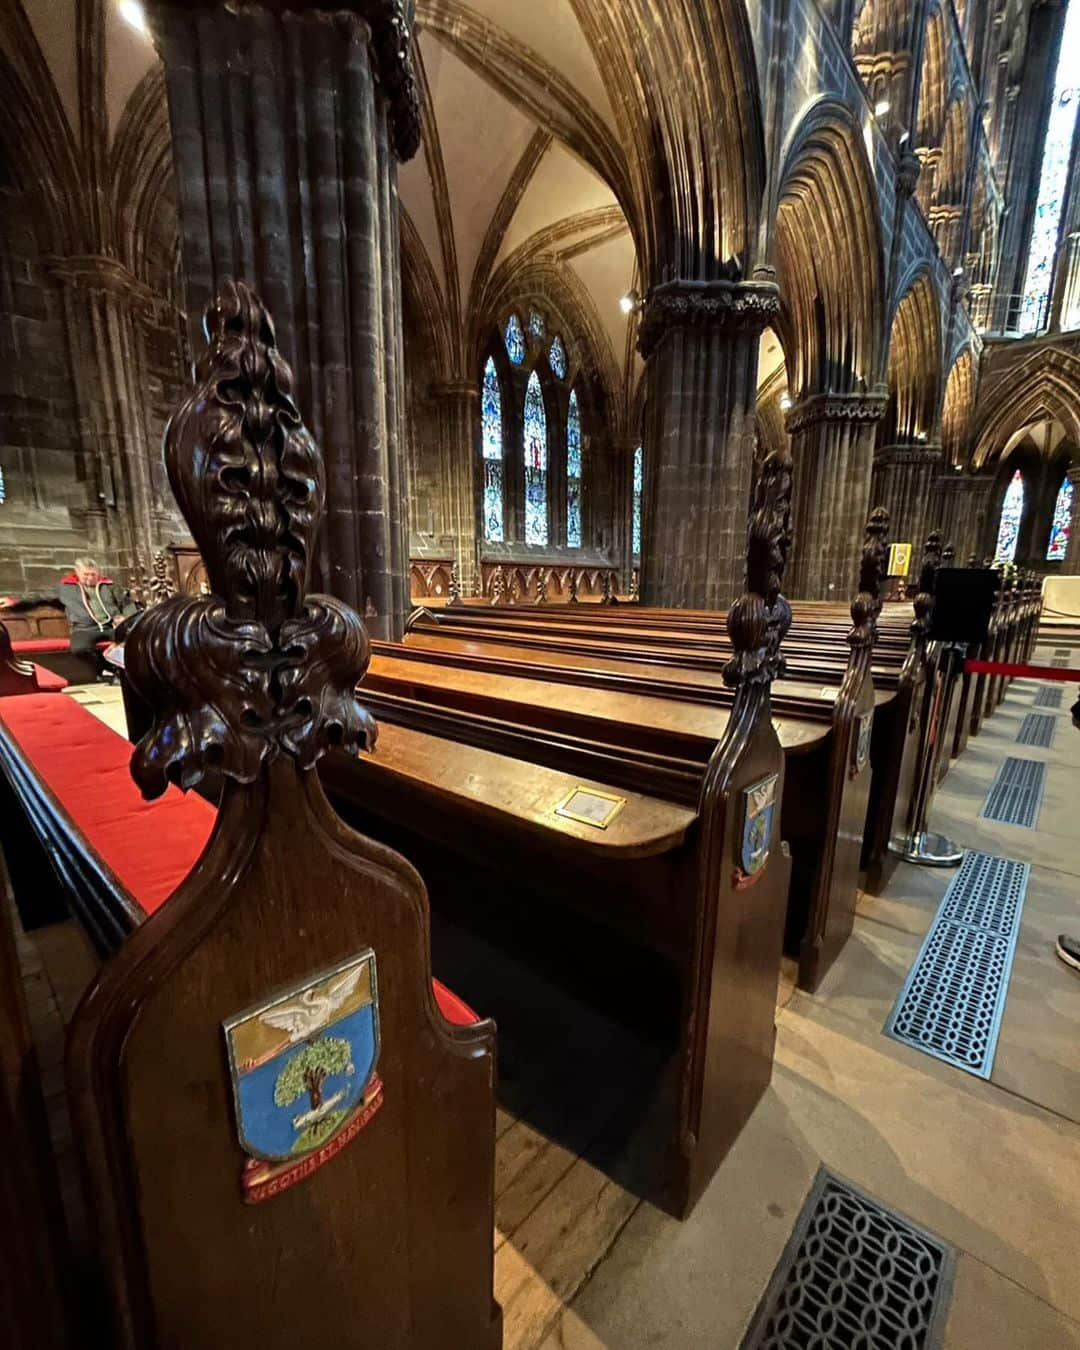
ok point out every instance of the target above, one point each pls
(954, 996)
(1036, 729)
(854, 1274)
(1062, 662)
(1016, 792)
(1049, 696)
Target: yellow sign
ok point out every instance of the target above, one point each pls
(899, 560)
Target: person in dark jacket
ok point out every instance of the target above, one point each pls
(96, 608)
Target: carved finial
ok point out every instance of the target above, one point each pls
(498, 585)
(256, 668)
(866, 607)
(513, 589)
(931, 561)
(454, 595)
(973, 560)
(948, 556)
(572, 582)
(759, 620)
(635, 582)
(541, 586)
(161, 584)
(607, 588)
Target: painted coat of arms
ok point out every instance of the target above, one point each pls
(861, 750)
(303, 1074)
(759, 802)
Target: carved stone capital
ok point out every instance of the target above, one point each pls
(94, 274)
(908, 168)
(908, 454)
(455, 391)
(734, 306)
(389, 33)
(861, 408)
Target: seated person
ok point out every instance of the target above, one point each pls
(96, 608)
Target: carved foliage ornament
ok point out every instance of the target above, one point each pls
(748, 306)
(866, 607)
(759, 620)
(236, 681)
(860, 408)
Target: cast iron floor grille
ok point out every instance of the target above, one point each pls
(1060, 661)
(1036, 729)
(954, 996)
(1016, 792)
(1049, 696)
(854, 1274)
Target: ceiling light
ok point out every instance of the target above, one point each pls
(881, 107)
(629, 302)
(958, 271)
(133, 13)
(785, 401)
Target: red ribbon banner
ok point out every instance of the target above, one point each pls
(1023, 672)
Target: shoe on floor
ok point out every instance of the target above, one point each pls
(1068, 949)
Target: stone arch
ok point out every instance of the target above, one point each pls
(830, 259)
(957, 408)
(1044, 385)
(142, 184)
(914, 364)
(933, 100)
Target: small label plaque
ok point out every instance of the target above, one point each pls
(590, 807)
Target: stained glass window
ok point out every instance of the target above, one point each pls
(515, 340)
(1059, 526)
(1053, 177)
(1012, 509)
(535, 447)
(536, 323)
(3, 488)
(573, 473)
(557, 358)
(637, 502)
(492, 442)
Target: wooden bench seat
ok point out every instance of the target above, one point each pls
(144, 849)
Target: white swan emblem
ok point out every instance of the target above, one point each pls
(313, 1009)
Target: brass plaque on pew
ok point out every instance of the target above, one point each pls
(589, 807)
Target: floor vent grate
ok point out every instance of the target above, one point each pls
(954, 996)
(1016, 792)
(1062, 662)
(1049, 696)
(1036, 729)
(854, 1273)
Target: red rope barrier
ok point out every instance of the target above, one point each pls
(1024, 672)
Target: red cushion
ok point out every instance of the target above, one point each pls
(41, 645)
(85, 764)
(48, 681)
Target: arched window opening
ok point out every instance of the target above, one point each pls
(1012, 509)
(535, 450)
(573, 473)
(557, 358)
(636, 533)
(492, 442)
(1053, 179)
(1059, 526)
(515, 340)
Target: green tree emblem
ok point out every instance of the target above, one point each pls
(306, 1072)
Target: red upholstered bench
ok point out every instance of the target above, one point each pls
(48, 681)
(85, 765)
(28, 646)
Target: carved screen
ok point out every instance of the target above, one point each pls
(515, 340)
(491, 424)
(1059, 526)
(573, 473)
(535, 448)
(637, 502)
(1012, 509)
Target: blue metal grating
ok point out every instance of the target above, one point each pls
(1049, 696)
(854, 1273)
(1036, 729)
(1016, 792)
(954, 996)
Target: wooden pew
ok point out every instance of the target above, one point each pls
(688, 871)
(24, 677)
(220, 1218)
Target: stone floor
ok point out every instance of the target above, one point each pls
(991, 1167)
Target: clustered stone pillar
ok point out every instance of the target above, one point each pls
(700, 343)
(1070, 565)
(458, 404)
(903, 482)
(287, 124)
(962, 500)
(103, 304)
(832, 446)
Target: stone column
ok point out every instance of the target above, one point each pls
(1070, 564)
(832, 445)
(458, 405)
(700, 344)
(962, 500)
(903, 482)
(287, 124)
(104, 304)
